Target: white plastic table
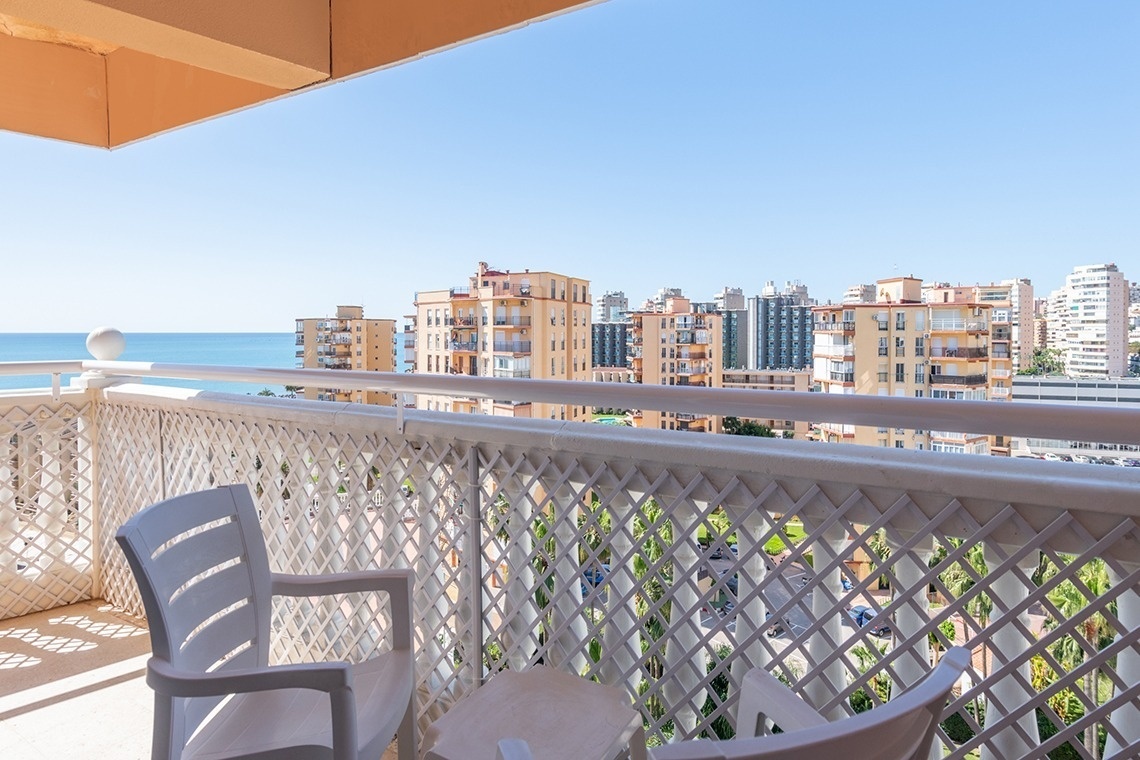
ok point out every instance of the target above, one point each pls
(559, 715)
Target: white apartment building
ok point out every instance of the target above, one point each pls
(613, 306)
(1088, 321)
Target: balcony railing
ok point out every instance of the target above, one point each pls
(513, 346)
(512, 321)
(957, 325)
(833, 326)
(938, 378)
(495, 516)
(938, 352)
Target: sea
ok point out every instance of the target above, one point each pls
(275, 350)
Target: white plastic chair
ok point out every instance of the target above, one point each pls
(901, 729)
(201, 566)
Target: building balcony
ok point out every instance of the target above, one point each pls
(983, 550)
(463, 321)
(512, 346)
(512, 321)
(1000, 392)
(959, 325)
(833, 327)
(464, 346)
(942, 352)
(841, 377)
(938, 378)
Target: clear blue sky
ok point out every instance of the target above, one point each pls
(636, 143)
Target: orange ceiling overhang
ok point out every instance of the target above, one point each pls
(109, 72)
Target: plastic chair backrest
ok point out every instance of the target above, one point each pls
(901, 729)
(203, 573)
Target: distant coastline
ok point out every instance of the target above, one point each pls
(251, 349)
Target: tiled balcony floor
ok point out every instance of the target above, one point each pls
(72, 685)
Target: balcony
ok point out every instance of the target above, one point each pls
(938, 378)
(466, 346)
(958, 325)
(512, 321)
(841, 377)
(833, 327)
(1009, 557)
(940, 352)
(512, 346)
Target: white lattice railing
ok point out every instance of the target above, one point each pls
(1033, 564)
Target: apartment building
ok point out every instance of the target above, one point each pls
(609, 346)
(612, 306)
(900, 346)
(509, 325)
(1088, 321)
(798, 381)
(780, 328)
(347, 341)
(859, 294)
(676, 346)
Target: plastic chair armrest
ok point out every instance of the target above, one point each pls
(164, 678)
(764, 698)
(396, 583)
(513, 749)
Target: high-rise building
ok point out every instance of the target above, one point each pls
(676, 346)
(780, 328)
(347, 341)
(611, 307)
(1088, 321)
(729, 299)
(859, 294)
(610, 344)
(900, 346)
(506, 324)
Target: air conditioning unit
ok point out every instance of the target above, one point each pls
(522, 332)
(524, 303)
(502, 303)
(926, 336)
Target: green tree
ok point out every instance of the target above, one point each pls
(1071, 600)
(737, 426)
(1045, 361)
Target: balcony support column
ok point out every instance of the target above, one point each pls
(911, 608)
(751, 609)
(1008, 694)
(521, 632)
(829, 679)
(621, 637)
(1126, 718)
(568, 643)
(683, 678)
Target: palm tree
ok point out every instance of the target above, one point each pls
(1070, 600)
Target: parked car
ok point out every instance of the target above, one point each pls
(775, 629)
(1082, 458)
(864, 616)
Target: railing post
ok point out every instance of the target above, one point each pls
(474, 555)
(568, 643)
(1126, 718)
(751, 615)
(1008, 694)
(682, 679)
(522, 614)
(622, 632)
(830, 679)
(911, 608)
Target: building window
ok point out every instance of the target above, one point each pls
(900, 321)
(920, 346)
(900, 346)
(882, 346)
(900, 373)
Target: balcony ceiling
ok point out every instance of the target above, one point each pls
(109, 72)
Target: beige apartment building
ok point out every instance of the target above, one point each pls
(795, 380)
(347, 341)
(900, 346)
(676, 346)
(508, 325)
